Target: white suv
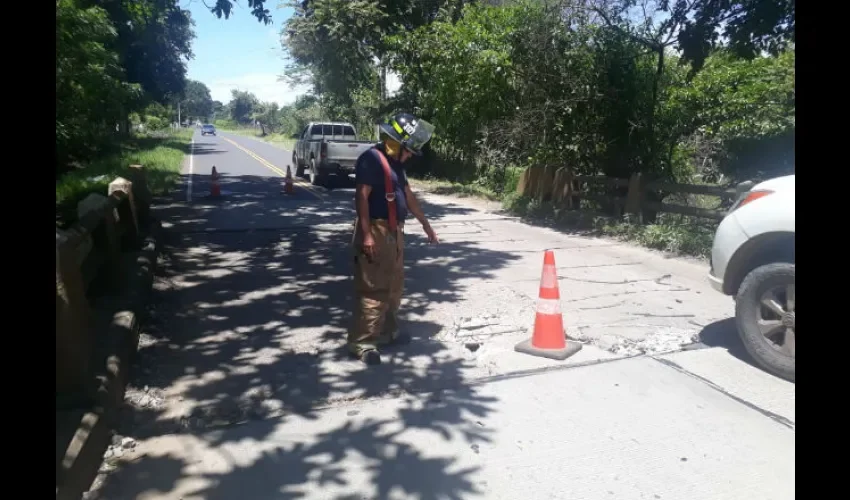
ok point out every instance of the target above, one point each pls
(752, 259)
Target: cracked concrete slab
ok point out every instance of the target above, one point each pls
(741, 380)
(584, 433)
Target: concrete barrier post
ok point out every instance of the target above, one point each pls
(95, 212)
(122, 185)
(73, 323)
(142, 195)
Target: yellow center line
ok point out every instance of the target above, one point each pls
(276, 170)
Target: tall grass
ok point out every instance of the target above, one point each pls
(161, 153)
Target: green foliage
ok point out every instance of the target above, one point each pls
(196, 101)
(161, 154)
(598, 87)
(242, 106)
(258, 9)
(92, 94)
(113, 59)
(153, 42)
(747, 108)
(750, 28)
(674, 234)
(294, 117)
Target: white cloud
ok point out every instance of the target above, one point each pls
(265, 86)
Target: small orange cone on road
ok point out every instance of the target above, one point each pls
(215, 188)
(287, 181)
(549, 339)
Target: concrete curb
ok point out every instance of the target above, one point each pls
(82, 435)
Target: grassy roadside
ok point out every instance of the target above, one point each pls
(680, 235)
(438, 186)
(161, 153)
(278, 140)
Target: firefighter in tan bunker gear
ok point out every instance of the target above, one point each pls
(383, 198)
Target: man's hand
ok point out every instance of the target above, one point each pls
(413, 205)
(369, 247)
(432, 236)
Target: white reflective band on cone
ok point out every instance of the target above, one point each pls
(549, 306)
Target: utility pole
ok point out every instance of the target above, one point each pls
(179, 121)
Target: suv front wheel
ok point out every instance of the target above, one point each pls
(765, 309)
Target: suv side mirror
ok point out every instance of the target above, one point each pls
(743, 187)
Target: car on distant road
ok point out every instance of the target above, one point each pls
(752, 260)
(325, 149)
(208, 129)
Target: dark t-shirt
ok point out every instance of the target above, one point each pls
(368, 170)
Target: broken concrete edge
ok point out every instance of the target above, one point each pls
(82, 436)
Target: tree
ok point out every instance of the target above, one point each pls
(196, 101)
(242, 105)
(739, 115)
(335, 44)
(153, 42)
(258, 9)
(749, 28)
(92, 92)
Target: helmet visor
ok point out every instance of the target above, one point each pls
(416, 136)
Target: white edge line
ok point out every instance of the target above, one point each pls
(191, 170)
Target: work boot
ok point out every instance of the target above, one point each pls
(371, 357)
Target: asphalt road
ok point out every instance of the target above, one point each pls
(248, 322)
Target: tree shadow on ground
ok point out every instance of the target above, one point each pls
(258, 202)
(248, 325)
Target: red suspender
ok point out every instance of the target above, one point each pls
(390, 192)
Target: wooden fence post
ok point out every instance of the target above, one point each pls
(544, 183)
(532, 182)
(562, 187)
(634, 198)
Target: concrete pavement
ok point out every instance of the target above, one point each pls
(249, 322)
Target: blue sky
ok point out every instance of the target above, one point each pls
(239, 52)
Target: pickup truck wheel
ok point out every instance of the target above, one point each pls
(299, 169)
(316, 178)
(765, 309)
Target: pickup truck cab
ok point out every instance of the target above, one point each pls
(325, 149)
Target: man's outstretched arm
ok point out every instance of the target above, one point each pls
(416, 210)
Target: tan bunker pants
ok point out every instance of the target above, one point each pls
(379, 284)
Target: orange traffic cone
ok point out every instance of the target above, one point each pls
(215, 188)
(549, 339)
(287, 182)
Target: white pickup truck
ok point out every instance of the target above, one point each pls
(325, 149)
